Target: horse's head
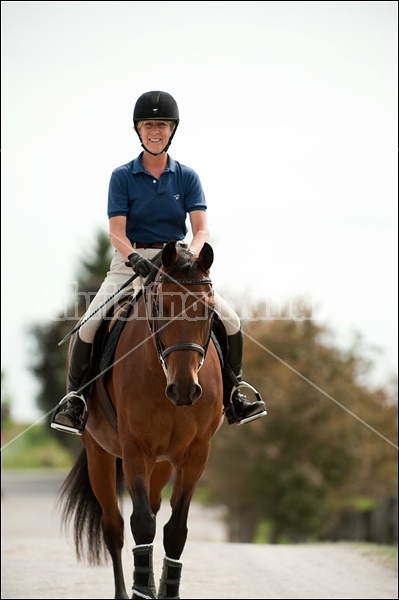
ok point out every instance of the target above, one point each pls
(182, 312)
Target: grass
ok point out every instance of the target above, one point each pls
(385, 555)
(32, 448)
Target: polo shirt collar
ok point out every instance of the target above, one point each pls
(137, 165)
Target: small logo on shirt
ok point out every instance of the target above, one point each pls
(176, 196)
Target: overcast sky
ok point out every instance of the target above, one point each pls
(288, 114)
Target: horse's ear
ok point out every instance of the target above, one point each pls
(205, 258)
(169, 255)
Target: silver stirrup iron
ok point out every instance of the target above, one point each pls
(244, 384)
(72, 430)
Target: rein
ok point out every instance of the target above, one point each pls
(155, 330)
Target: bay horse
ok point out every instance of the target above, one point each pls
(166, 390)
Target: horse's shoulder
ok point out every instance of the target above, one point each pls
(110, 330)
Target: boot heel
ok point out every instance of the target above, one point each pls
(239, 410)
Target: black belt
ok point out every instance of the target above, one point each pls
(149, 244)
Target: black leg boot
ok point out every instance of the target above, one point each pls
(143, 573)
(72, 419)
(169, 584)
(238, 409)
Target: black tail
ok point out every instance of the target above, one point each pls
(78, 502)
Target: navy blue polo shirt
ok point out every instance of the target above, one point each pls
(156, 209)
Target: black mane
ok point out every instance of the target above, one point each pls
(184, 262)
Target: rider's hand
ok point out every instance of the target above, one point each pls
(140, 265)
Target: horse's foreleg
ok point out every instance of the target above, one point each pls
(186, 480)
(143, 525)
(175, 530)
(142, 520)
(175, 536)
(160, 477)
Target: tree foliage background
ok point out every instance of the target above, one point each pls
(322, 446)
(328, 441)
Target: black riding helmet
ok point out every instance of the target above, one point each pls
(156, 106)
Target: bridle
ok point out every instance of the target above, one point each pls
(153, 320)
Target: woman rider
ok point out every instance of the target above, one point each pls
(149, 199)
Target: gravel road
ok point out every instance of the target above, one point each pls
(38, 560)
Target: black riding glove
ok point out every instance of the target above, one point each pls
(140, 265)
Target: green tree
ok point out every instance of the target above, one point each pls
(49, 363)
(293, 468)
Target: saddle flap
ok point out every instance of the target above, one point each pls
(104, 346)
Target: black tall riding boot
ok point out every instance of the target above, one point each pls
(73, 418)
(237, 407)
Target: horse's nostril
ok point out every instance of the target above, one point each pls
(172, 392)
(196, 392)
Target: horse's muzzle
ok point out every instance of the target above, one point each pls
(183, 395)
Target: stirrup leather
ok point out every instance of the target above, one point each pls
(79, 427)
(230, 407)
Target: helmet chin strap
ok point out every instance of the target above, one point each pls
(155, 153)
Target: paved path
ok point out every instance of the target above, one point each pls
(38, 561)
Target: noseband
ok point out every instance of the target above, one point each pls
(153, 322)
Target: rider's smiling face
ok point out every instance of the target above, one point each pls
(155, 134)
